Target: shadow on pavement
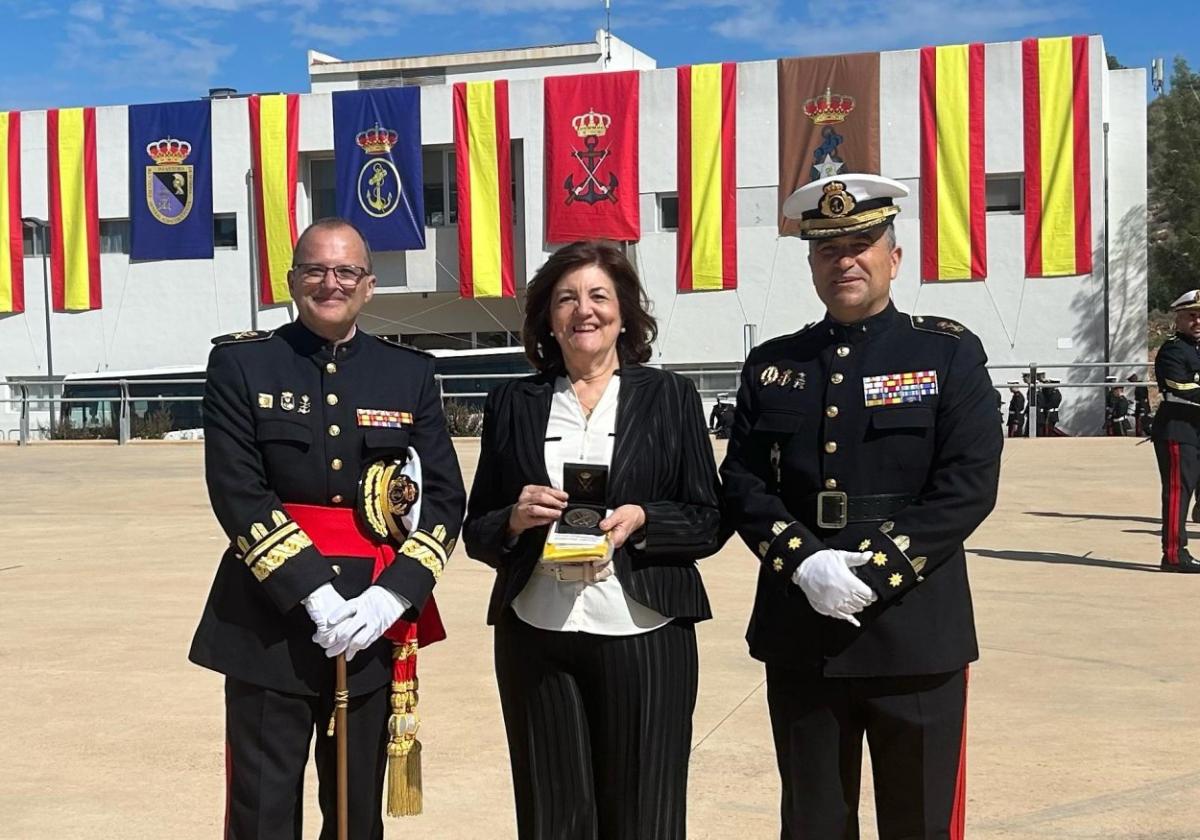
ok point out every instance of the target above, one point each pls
(1054, 558)
(1150, 520)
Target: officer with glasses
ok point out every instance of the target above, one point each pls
(330, 470)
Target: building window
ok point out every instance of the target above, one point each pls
(225, 231)
(668, 211)
(322, 186)
(114, 236)
(496, 339)
(1004, 193)
(438, 341)
(33, 241)
(441, 186)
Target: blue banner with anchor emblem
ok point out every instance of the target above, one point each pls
(377, 152)
(170, 181)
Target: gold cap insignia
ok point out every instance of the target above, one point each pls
(836, 203)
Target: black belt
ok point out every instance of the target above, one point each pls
(835, 509)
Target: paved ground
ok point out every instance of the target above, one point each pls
(1084, 716)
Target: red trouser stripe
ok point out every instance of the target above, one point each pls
(1171, 541)
(228, 785)
(958, 814)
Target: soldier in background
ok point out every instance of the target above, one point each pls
(1176, 431)
(1141, 407)
(1109, 396)
(720, 419)
(1016, 410)
(1119, 413)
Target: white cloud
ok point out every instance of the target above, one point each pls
(856, 25)
(87, 10)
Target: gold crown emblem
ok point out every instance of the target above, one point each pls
(828, 108)
(377, 140)
(169, 150)
(591, 124)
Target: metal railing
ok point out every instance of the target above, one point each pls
(1034, 387)
(25, 392)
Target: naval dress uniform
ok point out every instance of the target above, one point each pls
(298, 434)
(876, 436)
(1176, 435)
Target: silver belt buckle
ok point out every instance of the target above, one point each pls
(832, 509)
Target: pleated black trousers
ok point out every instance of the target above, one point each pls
(916, 730)
(599, 730)
(267, 741)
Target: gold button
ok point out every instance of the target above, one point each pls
(831, 484)
(330, 367)
(335, 430)
(831, 411)
(336, 463)
(331, 399)
(836, 379)
(336, 499)
(831, 447)
(843, 351)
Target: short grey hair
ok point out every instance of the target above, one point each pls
(334, 223)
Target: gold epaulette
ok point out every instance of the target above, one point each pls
(243, 335)
(935, 324)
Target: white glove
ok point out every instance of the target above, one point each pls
(322, 603)
(360, 622)
(831, 588)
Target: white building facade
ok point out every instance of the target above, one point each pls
(164, 313)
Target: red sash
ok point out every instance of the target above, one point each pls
(336, 532)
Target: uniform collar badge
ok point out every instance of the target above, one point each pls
(266, 400)
(287, 401)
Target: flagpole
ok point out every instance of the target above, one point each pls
(607, 33)
(253, 249)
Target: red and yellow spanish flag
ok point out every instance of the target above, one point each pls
(12, 250)
(707, 172)
(274, 142)
(1058, 176)
(483, 161)
(74, 217)
(953, 198)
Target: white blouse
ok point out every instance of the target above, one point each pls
(601, 607)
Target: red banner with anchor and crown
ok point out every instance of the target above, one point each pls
(592, 157)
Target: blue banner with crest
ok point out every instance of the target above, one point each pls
(170, 181)
(377, 152)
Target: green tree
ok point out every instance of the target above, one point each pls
(1173, 206)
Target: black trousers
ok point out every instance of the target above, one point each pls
(916, 730)
(267, 740)
(1179, 468)
(599, 730)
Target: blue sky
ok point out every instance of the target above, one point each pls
(91, 52)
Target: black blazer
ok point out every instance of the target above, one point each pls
(662, 460)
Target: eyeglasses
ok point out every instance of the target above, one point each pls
(313, 274)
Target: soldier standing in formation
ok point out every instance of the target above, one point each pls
(1176, 431)
(1016, 411)
(1141, 407)
(330, 469)
(865, 450)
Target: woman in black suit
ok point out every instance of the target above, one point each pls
(596, 663)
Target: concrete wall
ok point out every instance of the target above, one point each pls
(163, 313)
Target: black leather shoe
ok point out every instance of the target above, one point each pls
(1186, 565)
